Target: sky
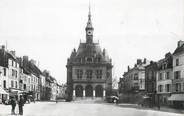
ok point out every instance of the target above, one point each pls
(48, 30)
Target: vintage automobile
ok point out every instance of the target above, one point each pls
(112, 99)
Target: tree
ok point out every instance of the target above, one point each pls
(114, 83)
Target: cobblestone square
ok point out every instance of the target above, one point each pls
(82, 109)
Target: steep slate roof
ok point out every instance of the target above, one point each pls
(31, 68)
(4, 56)
(179, 49)
(88, 50)
(34, 69)
(139, 67)
(26, 71)
(91, 50)
(165, 61)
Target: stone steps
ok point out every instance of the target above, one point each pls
(88, 99)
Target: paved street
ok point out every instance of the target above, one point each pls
(80, 109)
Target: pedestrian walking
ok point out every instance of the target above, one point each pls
(159, 107)
(13, 104)
(21, 104)
(34, 100)
(56, 99)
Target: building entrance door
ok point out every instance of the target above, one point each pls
(89, 91)
(79, 91)
(98, 91)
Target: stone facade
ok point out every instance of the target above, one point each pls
(132, 85)
(150, 82)
(178, 76)
(89, 69)
(61, 91)
(164, 79)
(10, 70)
(135, 77)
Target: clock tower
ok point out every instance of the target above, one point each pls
(89, 29)
(89, 69)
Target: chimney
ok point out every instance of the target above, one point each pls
(74, 50)
(104, 52)
(25, 60)
(144, 61)
(139, 61)
(180, 43)
(20, 61)
(3, 47)
(128, 68)
(151, 62)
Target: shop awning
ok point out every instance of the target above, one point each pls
(2, 91)
(15, 92)
(176, 97)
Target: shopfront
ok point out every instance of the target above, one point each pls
(3, 95)
(177, 100)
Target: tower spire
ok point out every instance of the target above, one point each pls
(89, 28)
(89, 14)
(89, 23)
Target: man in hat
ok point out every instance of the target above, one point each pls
(13, 104)
(21, 104)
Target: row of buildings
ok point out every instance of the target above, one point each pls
(21, 76)
(160, 82)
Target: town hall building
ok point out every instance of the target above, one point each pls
(89, 69)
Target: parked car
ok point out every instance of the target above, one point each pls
(112, 99)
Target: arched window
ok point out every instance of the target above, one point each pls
(89, 59)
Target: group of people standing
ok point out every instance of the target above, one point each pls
(20, 103)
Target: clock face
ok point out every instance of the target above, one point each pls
(89, 32)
